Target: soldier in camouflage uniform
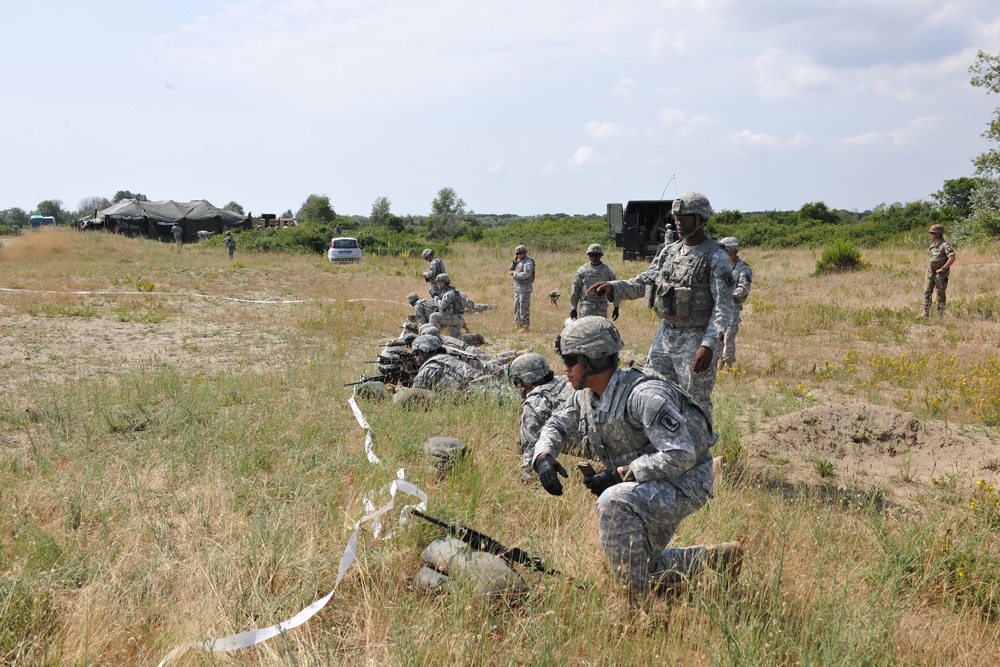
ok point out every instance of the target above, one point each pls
(522, 270)
(654, 442)
(450, 315)
(542, 393)
(690, 285)
(940, 257)
(422, 308)
(595, 271)
(742, 279)
(442, 372)
(435, 268)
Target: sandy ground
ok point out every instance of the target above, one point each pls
(872, 447)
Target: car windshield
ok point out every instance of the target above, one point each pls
(344, 244)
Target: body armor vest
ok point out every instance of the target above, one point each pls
(682, 296)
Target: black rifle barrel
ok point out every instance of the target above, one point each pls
(483, 542)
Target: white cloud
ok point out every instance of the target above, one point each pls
(780, 74)
(760, 139)
(603, 130)
(497, 168)
(586, 156)
(918, 130)
(624, 86)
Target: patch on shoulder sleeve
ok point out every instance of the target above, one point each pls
(669, 423)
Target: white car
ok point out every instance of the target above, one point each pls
(344, 249)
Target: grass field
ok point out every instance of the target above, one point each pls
(178, 461)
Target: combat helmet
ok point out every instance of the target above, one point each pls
(521, 249)
(730, 244)
(428, 329)
(692, 203)
(443, 278)
(426, 344)
(594, 338)
(427, 253)
(937, 229)
(530, 368)
(595, 249)
(412, 298)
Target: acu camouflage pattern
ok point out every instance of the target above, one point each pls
(651, 425)
(590, 303)
(445, 373)
(435, 268)
(743, 279)
(450, 313)
(524, 279)
(423, 309)
(539, 405)
(707, 271)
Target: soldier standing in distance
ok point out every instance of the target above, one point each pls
(230, 244)
(690, 286)
(522, 270)
(434, 269)
(742, 279)
(595, 271)
(940, 257)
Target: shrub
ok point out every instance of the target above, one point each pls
(841, 256)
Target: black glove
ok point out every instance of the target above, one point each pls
(548, 470)
(603, 480)
(614, 314)
(572, 314)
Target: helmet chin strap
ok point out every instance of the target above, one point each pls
(697, 228)
(590, 368)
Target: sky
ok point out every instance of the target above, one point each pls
(520, 106)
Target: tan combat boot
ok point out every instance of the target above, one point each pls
(926, 313)
(726, 558)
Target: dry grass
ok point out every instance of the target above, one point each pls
(175, 467)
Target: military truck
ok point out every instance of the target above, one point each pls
(641, 227)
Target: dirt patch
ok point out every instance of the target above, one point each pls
(864, 447)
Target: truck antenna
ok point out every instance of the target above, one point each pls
(672, 178)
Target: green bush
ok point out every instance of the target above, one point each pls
(841, 256)
(551, 233)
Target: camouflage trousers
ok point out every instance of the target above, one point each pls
(599, 308)
(448, 325)
(939, 283)
(728, 339)
(522, 308)
(672, 356)
(637, 522)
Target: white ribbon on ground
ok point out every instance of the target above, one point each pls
(369, 441)
(251, 637)
(16, 290)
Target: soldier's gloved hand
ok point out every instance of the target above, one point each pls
(572, 314)
(614, 314)
(548, 470)
(603, 480)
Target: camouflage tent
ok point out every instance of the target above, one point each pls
(154, 219)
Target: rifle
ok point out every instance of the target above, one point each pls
(483, 542)
(393, 375)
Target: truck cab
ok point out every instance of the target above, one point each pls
(640, 227)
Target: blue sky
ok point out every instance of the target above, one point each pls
(520, 107)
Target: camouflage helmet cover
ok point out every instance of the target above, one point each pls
(428, 329)
(443, 278)
(412, 298)
(426, 344)
(595, 249)
(692, 203)
(528, 368)
(521, 250)
(731, 244)
(592, 336)
(427, 253)
(937, 229)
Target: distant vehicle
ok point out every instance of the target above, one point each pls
(641, 227)
(344, 249)
(37, 221)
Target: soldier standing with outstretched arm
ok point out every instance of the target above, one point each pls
(690, 286)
